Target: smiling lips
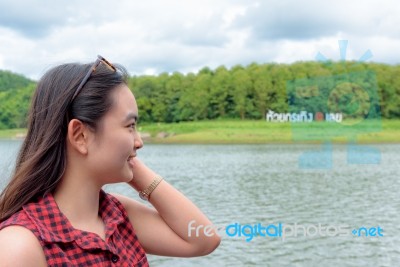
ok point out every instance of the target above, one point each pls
(130, 160)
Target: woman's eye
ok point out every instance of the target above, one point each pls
(133, 125)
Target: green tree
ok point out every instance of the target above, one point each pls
(219, 91)
(12, 81)
(174, 89)
(262, 89)
(242, 86)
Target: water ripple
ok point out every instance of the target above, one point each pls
(263, 184)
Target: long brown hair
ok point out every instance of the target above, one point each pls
(42, 160)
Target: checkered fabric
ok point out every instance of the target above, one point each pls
(64, 245)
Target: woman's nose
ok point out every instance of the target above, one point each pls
(138, 141)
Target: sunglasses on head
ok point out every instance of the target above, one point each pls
(92, 69)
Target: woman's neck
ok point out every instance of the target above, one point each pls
(78, 200)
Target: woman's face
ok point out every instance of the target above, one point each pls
(116, 140)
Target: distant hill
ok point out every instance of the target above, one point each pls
(10, 81)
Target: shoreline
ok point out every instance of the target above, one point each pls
(167, 142)
(249, 132)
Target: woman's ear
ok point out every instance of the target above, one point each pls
(78, 136)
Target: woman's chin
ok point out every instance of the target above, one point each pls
(128, 176)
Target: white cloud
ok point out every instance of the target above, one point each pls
(157, 36)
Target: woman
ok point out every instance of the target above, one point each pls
(82, 135)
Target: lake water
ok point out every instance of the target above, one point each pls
(251, 184)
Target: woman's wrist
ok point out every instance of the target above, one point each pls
(145, 194)
(143, 176)
(141, 183)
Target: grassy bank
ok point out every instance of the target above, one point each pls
(249, 131)
(254, 132)
(12, 133)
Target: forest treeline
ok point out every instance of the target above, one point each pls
(245, 92)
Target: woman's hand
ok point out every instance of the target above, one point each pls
(142, 175)
(170, 228)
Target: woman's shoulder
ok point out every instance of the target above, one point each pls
(17, 235)
(21, 219)
(20, 247)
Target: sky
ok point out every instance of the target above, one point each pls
(151, 37)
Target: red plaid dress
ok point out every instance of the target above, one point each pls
(65, 246)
